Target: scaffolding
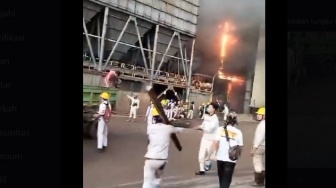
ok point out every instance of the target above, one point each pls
(151, 72)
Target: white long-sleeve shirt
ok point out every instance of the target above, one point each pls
(133, 100)
(159, 139)
(209, 126)
(149, 114)
(259, 135)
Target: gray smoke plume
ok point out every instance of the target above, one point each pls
(247, 16)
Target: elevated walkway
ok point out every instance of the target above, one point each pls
(137, 73)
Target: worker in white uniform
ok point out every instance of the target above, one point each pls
(205, 111)
(225, 112)
(102, 125)
(171, 106)
(258, 150)
(149, 117)
(226, 137)
(209, 127)
(164, 104)
(157, 150)
(135, 104)
(191, 110)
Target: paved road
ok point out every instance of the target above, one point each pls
(122, 164)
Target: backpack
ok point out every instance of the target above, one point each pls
(234, 151)
(108, 113)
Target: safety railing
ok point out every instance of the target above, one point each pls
(137, 72)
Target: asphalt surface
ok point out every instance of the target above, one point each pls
(121, 165)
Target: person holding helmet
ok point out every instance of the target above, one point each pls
(258, 149)
(157, 150)
(112, 79)
(135, 104)
(209, 127)
(102, 125)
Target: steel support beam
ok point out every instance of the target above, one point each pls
(165, 53)
(131, 45)
(98, 34)
(169, 88)
(149, 53)
(185, 57)
(181, 53)
(190, 69)
(102, 45)
(117, 42)
(140, 44)
(248, 94)
(154, 54)
(213, 83)
(89, 43)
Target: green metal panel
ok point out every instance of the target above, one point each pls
(91, 94)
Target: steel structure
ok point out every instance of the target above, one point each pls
(159, 30)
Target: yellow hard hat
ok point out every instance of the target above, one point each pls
(208, 103)
(151, 102)
(105, 96)
(155, 112)
(261, 111)
(163, 102)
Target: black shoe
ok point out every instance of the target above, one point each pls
(100, 150)
(259, 179)
(104, 147)
(200, 173)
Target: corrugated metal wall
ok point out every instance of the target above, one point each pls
(179, 14)
(92, 80)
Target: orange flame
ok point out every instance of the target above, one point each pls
(227, 38)
(229, 89)
(235, 79)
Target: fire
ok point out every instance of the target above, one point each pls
(229, 89)
(235, 79)
(227, 38)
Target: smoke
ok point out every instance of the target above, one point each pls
(247, 16)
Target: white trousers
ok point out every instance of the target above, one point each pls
(101, 134)
(190, 114)
(153, 171)
(204, 154)
(170, 113)
(225, 116)
(133, 112)
(166, 112)
(258, 159)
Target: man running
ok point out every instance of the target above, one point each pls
(157, 150)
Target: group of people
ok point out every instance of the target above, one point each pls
(221, 143)
(216, 143)
(174, 109)
(202, 110)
